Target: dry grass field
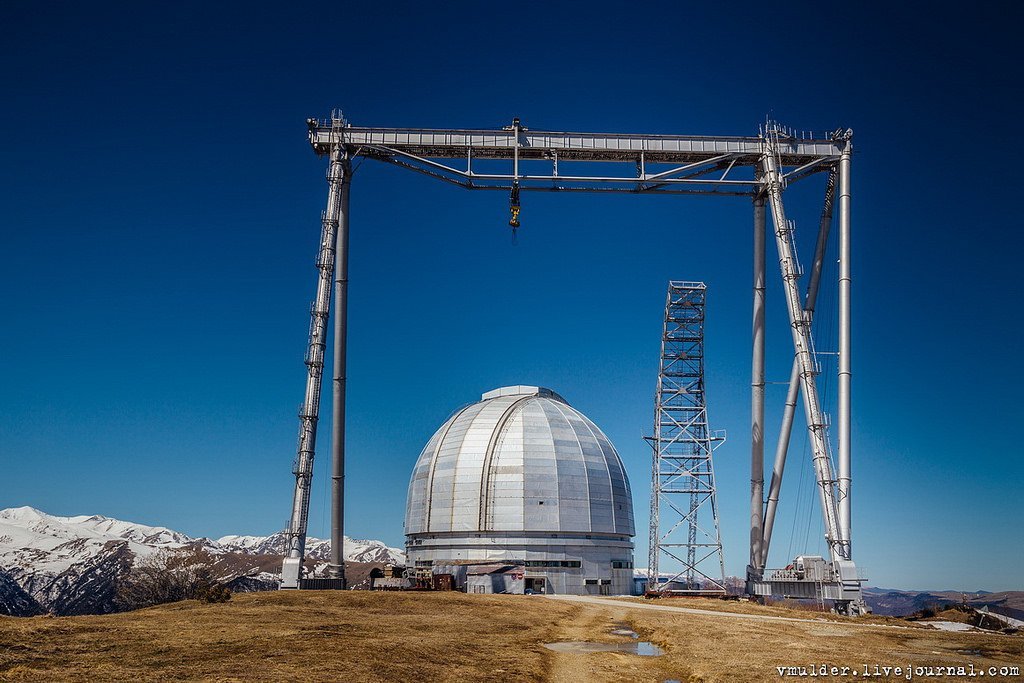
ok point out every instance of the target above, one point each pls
(709, 648)
(361, 636)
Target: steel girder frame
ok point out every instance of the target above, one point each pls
(309, 414)
(332, 267)
(805, 356)
(684, 511)
(657, 164)
(792, 395)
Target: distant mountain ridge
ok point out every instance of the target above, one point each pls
(71, 565)
(898, 603)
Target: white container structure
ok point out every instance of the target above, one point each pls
(523, 478)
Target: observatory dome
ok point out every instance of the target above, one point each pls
(521, 459)
(522, 476)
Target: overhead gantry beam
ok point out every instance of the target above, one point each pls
(515, 158)
(657, 164)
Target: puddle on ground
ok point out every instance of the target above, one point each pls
(645, 648)
(628, 632)
(641, 647)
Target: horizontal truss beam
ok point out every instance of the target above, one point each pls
(698, 164)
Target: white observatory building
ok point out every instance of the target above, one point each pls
(521, 492)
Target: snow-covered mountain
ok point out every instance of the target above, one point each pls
(316, 548)
(71, 565)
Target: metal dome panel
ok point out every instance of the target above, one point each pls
(521, 459)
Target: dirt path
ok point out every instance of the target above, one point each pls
(701, 645)
(605, 602)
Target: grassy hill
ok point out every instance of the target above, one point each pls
(363, 636)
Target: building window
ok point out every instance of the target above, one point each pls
(590, 582)
(572, 564)
(606, 582)
(621, 564)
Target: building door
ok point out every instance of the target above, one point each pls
(536, 584)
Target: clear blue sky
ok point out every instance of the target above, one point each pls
(159, 217)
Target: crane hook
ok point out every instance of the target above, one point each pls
(513, 203)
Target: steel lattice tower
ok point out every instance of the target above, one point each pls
(684, 512)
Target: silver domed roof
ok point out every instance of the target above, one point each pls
(521, 459)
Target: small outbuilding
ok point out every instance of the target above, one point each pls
(495, 578)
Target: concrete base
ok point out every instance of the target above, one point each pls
(322, 584)
(812, 578)
(291, 570)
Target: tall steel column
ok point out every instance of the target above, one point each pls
(803, 345)
(844, 341)
(309, 415)
(757, 389)
(793, 393)
(337, 566)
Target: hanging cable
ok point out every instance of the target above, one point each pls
(800, 496)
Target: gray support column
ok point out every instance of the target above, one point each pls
(803, 346)
(337, 565)
(309, 415)
(779, 467)
(757, 389)
(793, 394)
(844, 342)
